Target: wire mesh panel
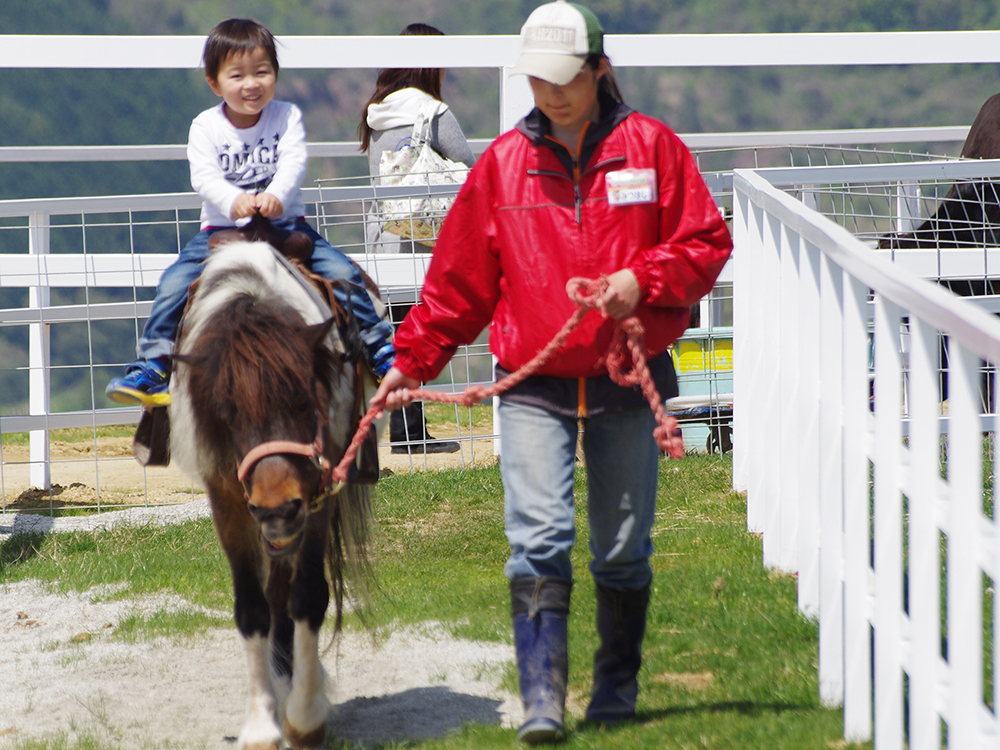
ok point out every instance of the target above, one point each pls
(77, 277)
(390, 232)
(75, 288)
(703, 361)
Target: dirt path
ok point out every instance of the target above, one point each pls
(63, 672)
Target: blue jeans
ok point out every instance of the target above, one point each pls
(171, 295)
(538, 455)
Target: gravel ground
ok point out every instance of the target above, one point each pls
(63, 673)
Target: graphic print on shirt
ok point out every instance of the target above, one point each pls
(250, 168)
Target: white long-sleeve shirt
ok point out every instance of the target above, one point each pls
(269, 157)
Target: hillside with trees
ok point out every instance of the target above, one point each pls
(98, 107)
(51, 107)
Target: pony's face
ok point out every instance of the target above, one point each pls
(281, 439)
(281, 465)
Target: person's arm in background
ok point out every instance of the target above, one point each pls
(448, 139)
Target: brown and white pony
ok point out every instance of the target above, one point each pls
(262, 398)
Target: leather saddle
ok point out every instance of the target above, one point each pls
(151, 443)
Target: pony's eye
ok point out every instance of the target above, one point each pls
(227, 411)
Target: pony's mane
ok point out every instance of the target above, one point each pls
(249, 359)
(257, 357)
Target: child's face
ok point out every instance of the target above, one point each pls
(246, 84)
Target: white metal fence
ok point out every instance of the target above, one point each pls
(865, 439)
(44, 269)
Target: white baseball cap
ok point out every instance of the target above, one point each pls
(556, 40)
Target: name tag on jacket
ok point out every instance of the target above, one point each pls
(628, 187)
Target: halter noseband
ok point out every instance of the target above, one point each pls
(313, 451)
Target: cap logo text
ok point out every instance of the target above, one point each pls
(550, 36)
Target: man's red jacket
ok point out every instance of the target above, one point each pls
(527, 220)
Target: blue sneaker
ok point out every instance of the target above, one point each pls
(145, 384)
(383, 360)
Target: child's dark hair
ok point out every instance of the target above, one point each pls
(236, 36)
(389, 80)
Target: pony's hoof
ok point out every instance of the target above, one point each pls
(304, 740)
(268, 739)
(266, 745)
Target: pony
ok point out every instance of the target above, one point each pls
(263, 398)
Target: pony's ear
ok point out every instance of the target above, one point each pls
(315, 336)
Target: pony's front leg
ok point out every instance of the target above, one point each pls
(239, 536)
(260, 727)
(307, 706)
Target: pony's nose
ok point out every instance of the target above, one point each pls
(278, 488)
(285, 513)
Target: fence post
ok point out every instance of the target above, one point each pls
(516, 99)
(907, 205)
(38, 357)
(783, 480)
(830, 492)
(768, 390)
(888, 523)
(807, 412)
(743, 351)
(857, 549)
(924, 541)
(965, 578)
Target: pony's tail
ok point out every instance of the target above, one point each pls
(348, 559)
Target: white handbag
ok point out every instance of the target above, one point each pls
(418, 164)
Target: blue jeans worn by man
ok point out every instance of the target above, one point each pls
(538, 460)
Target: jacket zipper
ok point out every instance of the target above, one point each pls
(577, 198)
(562, 176)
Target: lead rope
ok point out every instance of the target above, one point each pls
(626, 349)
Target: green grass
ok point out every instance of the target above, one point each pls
(184, 559)
(74, 434)
(728, 660)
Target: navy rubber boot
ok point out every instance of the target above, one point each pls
(621, 625)
(408, 433)
(539, 607)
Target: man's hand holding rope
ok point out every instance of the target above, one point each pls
(615, 296)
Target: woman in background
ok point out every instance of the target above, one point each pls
(386, 125)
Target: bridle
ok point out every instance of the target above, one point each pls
(313, 451)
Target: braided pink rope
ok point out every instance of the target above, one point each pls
(625, 360)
